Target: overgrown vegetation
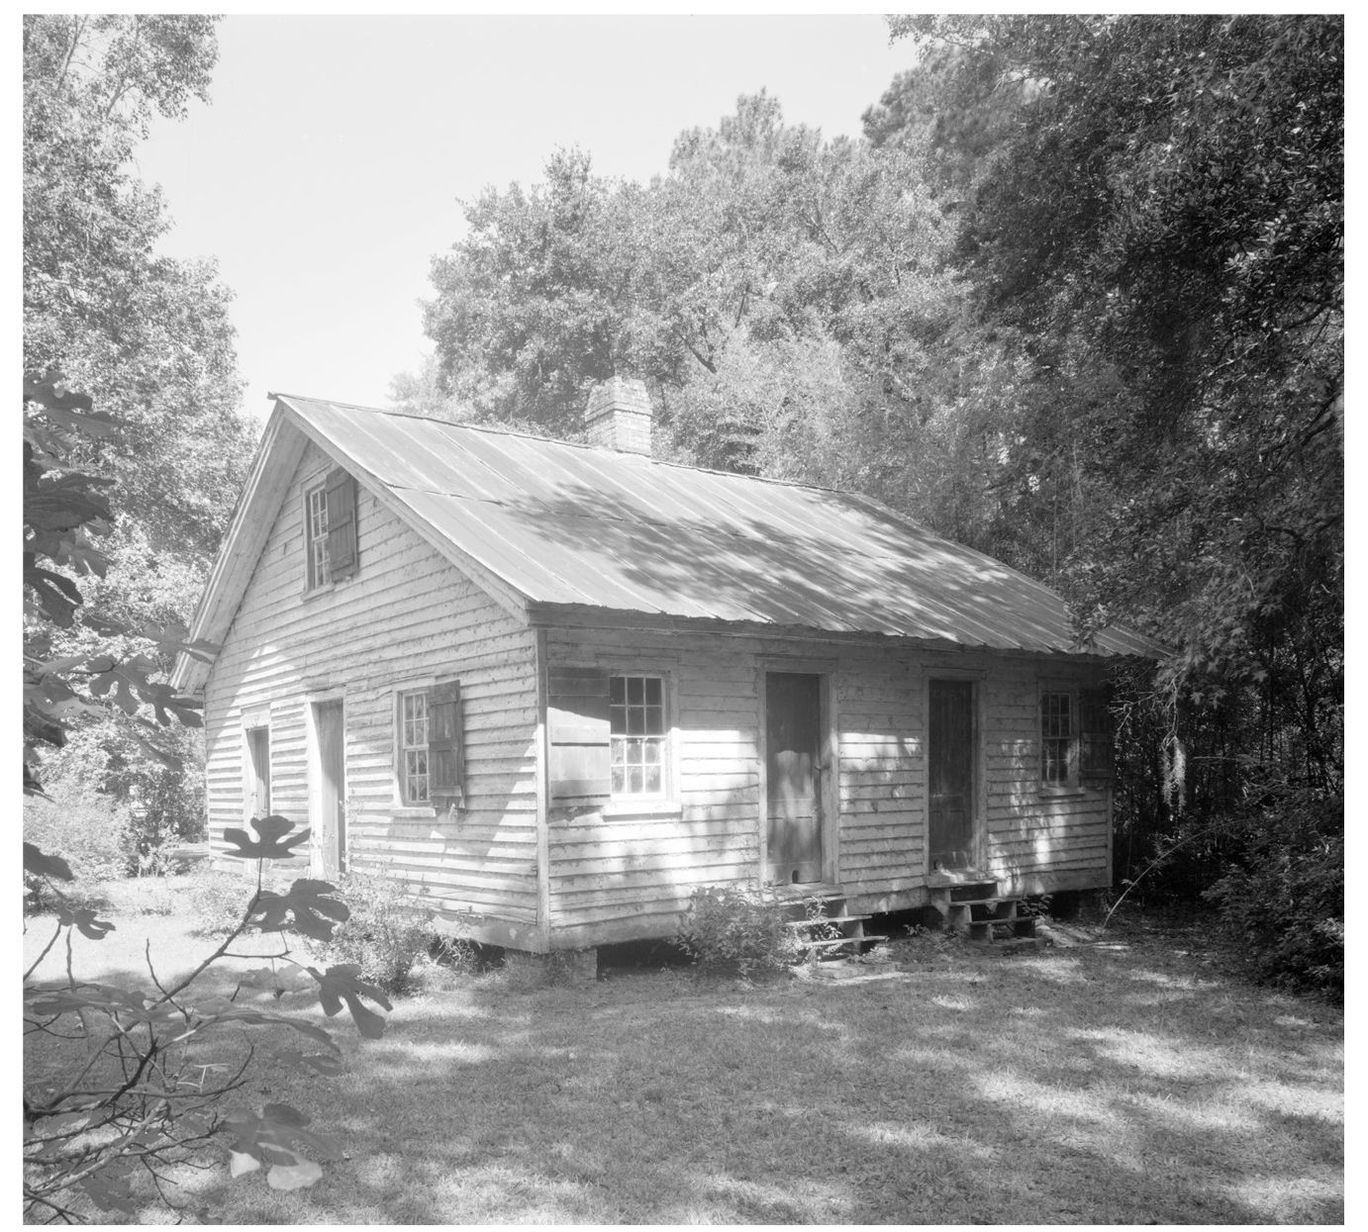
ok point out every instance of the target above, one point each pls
(384, 936)
(736, 930)
(95, 839)
(1282, 893)
(129, 482)
(125, 1082)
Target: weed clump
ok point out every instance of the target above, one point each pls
(734, 930)
(385, 935)
(1282, 897)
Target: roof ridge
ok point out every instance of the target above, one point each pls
(495, 430)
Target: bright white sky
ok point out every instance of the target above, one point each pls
(326, 172)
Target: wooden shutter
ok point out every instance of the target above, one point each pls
(341, 496)
(578, 734)
(1097, 750)
(446, 754)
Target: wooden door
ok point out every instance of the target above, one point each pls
(950, 788)
(332, 802)
(793, 755)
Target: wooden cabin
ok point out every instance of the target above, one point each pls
(551, 688)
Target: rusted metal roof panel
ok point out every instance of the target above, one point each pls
(574, 525)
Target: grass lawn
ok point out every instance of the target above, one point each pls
(1127, 1082)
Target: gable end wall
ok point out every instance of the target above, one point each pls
(407, 614)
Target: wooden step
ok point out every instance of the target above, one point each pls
(787, 892)
(834, 941)
(826, 919)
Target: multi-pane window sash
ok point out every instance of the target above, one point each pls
(413, 723)
(1058, 756)
(637, 735)
(318, 537)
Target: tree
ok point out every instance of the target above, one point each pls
(772, 287)
(146, 337)
(1160, 223)
(537, 301)
(1165, 222)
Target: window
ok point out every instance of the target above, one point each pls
(1058, 751)
(429, 750)
(413, 743)
(1076, 742)
(330, 530)
(318, 537)
(608, 736)
(636, 724)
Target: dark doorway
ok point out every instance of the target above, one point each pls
(793, 757)
(332, 816)
(259, 771)
(950, 786)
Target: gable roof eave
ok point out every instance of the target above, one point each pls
(278, 455)
(584, 615)
(498, 588)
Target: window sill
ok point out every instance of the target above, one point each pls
(1055, 793)
(317, 592)
(643, 808)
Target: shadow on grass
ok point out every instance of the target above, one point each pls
(1033, 1090)
(1081, 1086)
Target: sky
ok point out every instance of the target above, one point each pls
(328, 169)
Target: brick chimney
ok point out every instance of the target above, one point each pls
(619, 416)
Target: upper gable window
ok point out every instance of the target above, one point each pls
(330, 529)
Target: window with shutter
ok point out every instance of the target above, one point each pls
(330, 530)
(1076, 744)
(608, 736)
(413, 761)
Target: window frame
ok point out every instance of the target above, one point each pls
(317, 575)
(1079, 778)
(403, 747)
(438, 691)
(662, 740)
(1048, 737)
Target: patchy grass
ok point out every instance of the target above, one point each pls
(1131, 1082)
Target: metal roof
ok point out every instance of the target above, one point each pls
(566, 524)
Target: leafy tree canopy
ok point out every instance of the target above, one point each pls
(1161, 222)
(123, 506)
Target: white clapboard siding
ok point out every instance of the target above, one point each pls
(406, 616)
(1037, 840)
(612, 877)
